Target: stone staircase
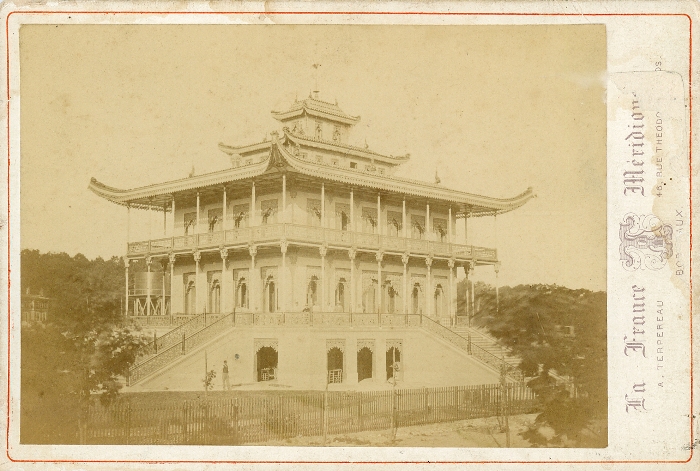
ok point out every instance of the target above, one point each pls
(486, 342)
(177, 343)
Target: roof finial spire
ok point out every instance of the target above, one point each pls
(315, 91)
(437, 178)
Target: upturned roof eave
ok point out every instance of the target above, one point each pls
(247, 149)
(147, 196)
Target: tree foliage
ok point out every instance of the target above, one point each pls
(559, 330)
(82, 349)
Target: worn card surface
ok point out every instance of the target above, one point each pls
(350, 234)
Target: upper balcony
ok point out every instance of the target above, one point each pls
(311, 235)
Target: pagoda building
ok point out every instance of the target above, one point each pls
(305, 228)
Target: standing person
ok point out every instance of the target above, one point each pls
(224, 375)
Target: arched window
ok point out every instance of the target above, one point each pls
(438, 299)
(311, 292)
(190, 297)
(415, 299)
(340, 296)
(369, 297)
(242, 293)
(215, 297)
(270, 295)
(391, 295)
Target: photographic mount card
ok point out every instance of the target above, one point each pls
(462, 228)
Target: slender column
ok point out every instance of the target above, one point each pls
(427, 221)
(165, 220)
(162, 293)
(379, 214)
(196, 229)
(352, 211)
(223, 213)
(495, 230)
(253, 219)
(149, 260)
(253, 295)
(283, 276)
(471, 283)
(497, 268)
(150, 222)
(197, 257)
(403, 219)
(352, 253)
(126, 287)
(430, 292)
(128, 224)
(379, 256)
(453, 291)
(171, 258)
(172, 210)
(466, 226)
(284, 199)
(449, 224)
(323, 204)
(224, 277)
(323, 250)
(404, 281)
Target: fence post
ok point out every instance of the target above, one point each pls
(360, 421)
(325, 413)
(236, 440)
(469, 344)
(183, 342)
(128, 422)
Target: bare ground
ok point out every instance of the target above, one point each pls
(481, 433)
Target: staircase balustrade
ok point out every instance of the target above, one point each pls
(170, 354)
(470, 347)
(199, 330)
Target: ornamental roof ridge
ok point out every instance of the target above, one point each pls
(316, 104)
(364, 150)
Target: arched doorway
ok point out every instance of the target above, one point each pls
(393, 356)
(266, 364)
(364, 364)
(438, 301)
(312, 292)
(335, 365)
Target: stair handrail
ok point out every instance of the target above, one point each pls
(136, 371)
(172, 336)
(477, 331)
(471, 348)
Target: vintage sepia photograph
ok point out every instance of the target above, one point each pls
(313, 235)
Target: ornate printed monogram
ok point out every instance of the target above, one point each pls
(645, 242)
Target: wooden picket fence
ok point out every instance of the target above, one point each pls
(256, 418)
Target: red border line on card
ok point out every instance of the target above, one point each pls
(365, 13)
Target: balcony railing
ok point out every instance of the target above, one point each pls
(310, 234)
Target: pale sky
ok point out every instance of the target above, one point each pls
(495, 109)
